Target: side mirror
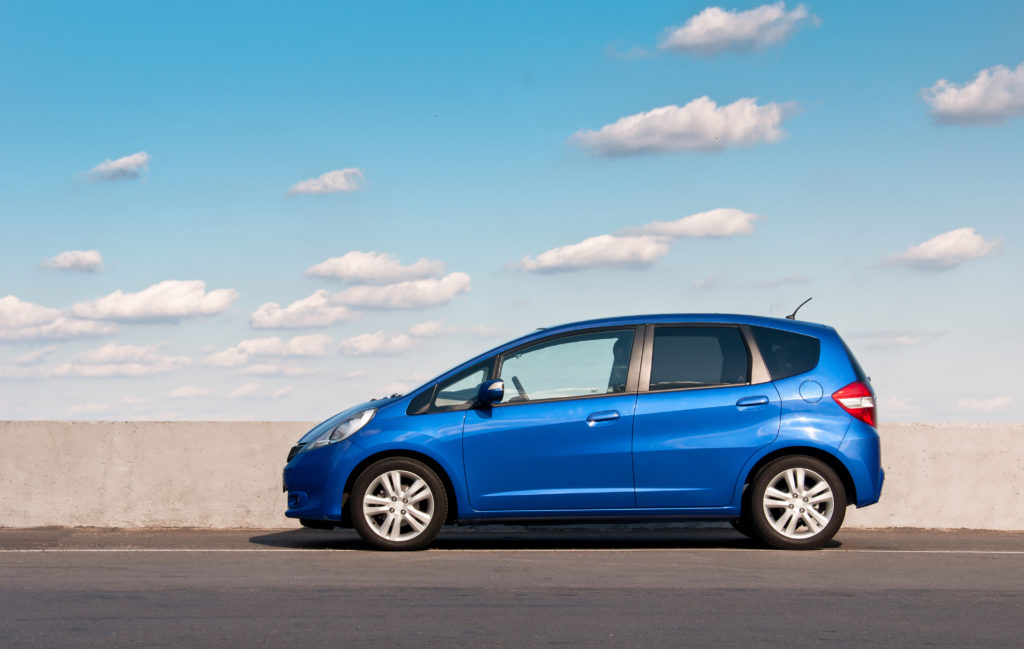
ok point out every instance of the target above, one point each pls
(490, 392)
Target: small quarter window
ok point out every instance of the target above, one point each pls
(786, 353)
(460, 391)
(698, 357)
(456, 393)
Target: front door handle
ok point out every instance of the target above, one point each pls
(746, 402)
(606, 415)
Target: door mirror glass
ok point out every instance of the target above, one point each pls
(490, 392)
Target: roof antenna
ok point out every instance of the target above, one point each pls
(792, 316)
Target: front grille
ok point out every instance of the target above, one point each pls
(294, 451)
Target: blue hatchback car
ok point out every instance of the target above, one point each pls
(764, 422)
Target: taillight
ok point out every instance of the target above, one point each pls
(858, 400)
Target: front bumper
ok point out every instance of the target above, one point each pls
(315, 481)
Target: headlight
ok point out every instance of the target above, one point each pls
(345, 428)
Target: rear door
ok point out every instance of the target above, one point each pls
(705, 405)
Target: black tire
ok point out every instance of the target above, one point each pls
(376, 529)
(794, 514)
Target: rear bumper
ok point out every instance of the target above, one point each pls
(861, 453)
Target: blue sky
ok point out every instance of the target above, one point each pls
(496, 141)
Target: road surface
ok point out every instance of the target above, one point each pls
(508, 587)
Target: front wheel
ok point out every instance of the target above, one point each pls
(797, 503)
(398, 504)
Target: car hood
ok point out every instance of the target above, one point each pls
(332, 421)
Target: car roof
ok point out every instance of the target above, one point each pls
(709, 318)
(796, 326)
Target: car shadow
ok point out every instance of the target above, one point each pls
(533, 538)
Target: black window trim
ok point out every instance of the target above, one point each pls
(632, 374)
(758, 370)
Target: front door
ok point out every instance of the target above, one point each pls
(561, 439)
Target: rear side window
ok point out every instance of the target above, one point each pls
(698, 357)
(786, 353)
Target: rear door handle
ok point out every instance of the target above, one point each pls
(747, 402)
(606, 415)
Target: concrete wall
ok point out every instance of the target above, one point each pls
(228, 474)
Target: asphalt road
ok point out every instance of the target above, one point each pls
(620, 587)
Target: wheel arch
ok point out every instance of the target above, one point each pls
(828, 458)
(453, 505)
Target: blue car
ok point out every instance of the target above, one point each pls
(767, 423)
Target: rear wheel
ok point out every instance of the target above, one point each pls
(797, 503)
(398, 504)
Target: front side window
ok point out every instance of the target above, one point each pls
(573, 366)
(698, 357)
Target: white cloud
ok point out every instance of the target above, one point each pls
(897, 339)
(990, 404)
(252, 391)
(717, 223)
(115, 353)
(274, 369)
(374, 268)
(313, 311)
(89, 261)
(339, 180)
(716, 30)
(380, 343)
(643, 246)
(310, 345)
(35, 356)
(485, 331)
(113, 359)
(129, 403)
(376, 343)
(20, 320)
(246, 391)
(430, 329)
(108, 370)
(701, 125)
(414, 294)
(436, 328)
(280, 393)
(945, 251)
(167, 300)
(997, 93)
(795, 279)
(189, 392)
(708, 283)
(602, 251)
(126, 168)
(395, 387)
(354, 374)
(632, 54)
(896, 405)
